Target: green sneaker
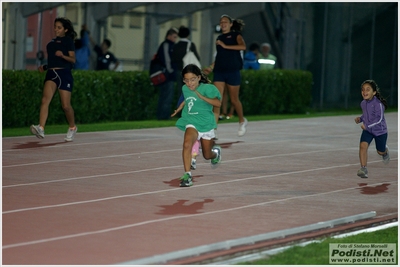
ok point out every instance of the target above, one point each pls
(186, 180)
(216, 160)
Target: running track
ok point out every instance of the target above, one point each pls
(114, 197)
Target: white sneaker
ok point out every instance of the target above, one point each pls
(215, 162)
(193, 164)
(71, 134)
(38, 131)
(363, 172)
(242, 127)
(386, 157)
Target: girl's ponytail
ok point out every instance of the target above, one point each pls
(204, 78)
(384, 102)
(237, 25)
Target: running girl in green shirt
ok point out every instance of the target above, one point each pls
(197, 120)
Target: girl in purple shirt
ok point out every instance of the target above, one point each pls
(373, 125)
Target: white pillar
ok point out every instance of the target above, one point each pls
(14, 37)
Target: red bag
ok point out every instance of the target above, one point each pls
(157, 71)
(158, 77)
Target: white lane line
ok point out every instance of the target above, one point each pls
(134, 133)
(171, 218)
(139, 153)
(176, 166)
(169, 190)
(90, 158)
(96, 143)
(92, 176)
(60, 144)
(169, 167)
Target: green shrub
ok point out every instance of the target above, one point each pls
(275, 91)
(104, 96)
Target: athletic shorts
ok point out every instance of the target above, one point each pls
(380, 141)
(206, 135)
(62, 77)
(231, 78)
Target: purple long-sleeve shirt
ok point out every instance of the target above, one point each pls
(373, 116)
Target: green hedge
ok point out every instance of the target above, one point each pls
(275, 91)
(103, 96)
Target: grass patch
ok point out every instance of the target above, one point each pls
(318, 253)
(131, 125)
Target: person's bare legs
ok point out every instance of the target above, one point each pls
(189, 139)
(48, 92)
(382, 153)
(207, 146)
(235, 101)
(220, 86)
(363, 153)
(225, 99)
(65, 97)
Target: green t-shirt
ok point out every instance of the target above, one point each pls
(197, 111)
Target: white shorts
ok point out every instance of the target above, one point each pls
(206, 135)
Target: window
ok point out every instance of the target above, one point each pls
(135, 21)
(117, 21)
(71, 12)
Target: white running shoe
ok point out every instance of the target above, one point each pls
(242, 127)
(363, 172)
(386, 157)
(38, 131)
(215, 162)
(71, 134)
(193, 164)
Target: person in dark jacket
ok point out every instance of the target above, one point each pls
(179, 51)
(373, 125)
(166, 89)
(104, 57)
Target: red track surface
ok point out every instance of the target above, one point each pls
(113, 197)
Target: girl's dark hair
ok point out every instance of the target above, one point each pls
(183, 32)
(376, 89)
(67, 24)
(107, 42)
(192, 68)
(254, 46)
(237, 24)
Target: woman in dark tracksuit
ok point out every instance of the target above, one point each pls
(61, 57)
(167, 89)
